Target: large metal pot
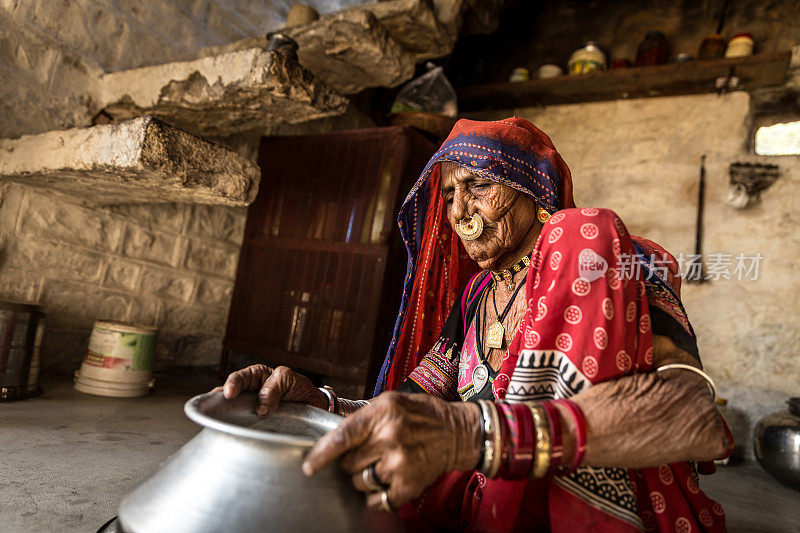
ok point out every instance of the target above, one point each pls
(242, 474)
(777, 444)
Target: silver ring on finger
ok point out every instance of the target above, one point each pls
(385, 502)
(370, 479)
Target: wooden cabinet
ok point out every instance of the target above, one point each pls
(322, 263)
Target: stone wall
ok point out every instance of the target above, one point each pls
(168, 265)
(642, 158)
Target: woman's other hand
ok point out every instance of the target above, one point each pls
(411, 438)
(273, 386)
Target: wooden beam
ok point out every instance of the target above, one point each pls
(695, 77)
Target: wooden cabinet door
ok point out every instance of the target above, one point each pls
(310, 283)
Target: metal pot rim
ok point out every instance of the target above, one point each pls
(200, 410)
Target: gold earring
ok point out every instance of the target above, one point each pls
(542, 215)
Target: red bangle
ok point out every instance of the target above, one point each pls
(519, 441)
(556, 440)
(526, 443)
(505, 443)
(509, 432)
(580, 432)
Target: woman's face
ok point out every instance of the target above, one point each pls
(508, 215)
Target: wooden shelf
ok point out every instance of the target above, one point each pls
(695, 77)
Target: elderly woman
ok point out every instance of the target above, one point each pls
(563, 392)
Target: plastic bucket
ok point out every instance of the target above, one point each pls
(118, 361)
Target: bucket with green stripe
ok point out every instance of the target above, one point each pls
(118, 361)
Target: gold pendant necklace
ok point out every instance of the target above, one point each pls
(497, 332)
(496, 335)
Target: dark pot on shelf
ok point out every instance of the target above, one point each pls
(653, 50)
(776, 443)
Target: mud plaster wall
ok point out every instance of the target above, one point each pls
(641, 158)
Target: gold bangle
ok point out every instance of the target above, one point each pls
(543, 450)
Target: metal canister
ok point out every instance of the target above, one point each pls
(712, 47)
(587, 59)
(740, 45)
(549, 71)
(519, 74)
(21, 332)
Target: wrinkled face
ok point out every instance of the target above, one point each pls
(508, 215)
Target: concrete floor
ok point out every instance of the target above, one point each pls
(69, 458)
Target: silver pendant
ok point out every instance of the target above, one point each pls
(479, 377)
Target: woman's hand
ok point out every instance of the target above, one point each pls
(411, 438)
(273, 386)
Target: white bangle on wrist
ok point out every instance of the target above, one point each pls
(328, 392)
(680, 366)
(491, 449)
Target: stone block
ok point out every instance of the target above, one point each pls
(179, 320)
(51, 217)
(151, 245)
(413, 24)
(166, 283)
(121, 274)
(220, 95)
(19, 285)
(219, 260)
(139, 160)
(166, 217)
(55, 259)
(352, 51)
(212, 292)
(190, 350)
(217, 222)
(68, 304)
(144, 310)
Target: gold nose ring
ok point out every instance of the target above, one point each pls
(470, 228)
